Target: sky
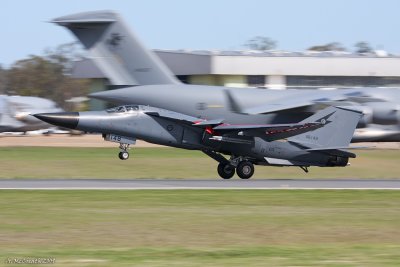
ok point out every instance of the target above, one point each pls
(207, 24)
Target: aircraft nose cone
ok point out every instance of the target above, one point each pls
(64, 119)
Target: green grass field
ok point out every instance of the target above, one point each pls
(39, 162)
(202, 227)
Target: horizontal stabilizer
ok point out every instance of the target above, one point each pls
(283, 162)
(335, 152)
(346, 148)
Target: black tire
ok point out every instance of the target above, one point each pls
(245, 169)
(226, 171)
(123, 155)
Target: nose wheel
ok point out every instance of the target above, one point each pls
(123, 155)
(124, 143)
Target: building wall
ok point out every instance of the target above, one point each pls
(313, 66)
(221, 80)
(202, 79)
(97, 85)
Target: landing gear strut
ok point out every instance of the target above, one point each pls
(124, 143)
(123, 154)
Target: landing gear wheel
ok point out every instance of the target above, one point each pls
(245, 169)
(226, 171)
(123, 155)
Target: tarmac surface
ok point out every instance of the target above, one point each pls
(164, 184)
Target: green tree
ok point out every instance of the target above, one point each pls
(47, 76)
(3, 80)
(363, 47)
(261, 43)
(333, 46)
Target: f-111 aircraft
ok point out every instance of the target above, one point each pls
(320, 140)
(250, 126)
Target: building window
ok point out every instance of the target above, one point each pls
(256, 80)
(340, 81)
(183, 78)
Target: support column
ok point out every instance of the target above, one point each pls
(277, 82)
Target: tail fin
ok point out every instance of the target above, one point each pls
(338, 128)
(116, 50)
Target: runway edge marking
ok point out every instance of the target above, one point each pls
(201, 188)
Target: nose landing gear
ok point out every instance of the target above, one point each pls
(123, 154)
(124, 143)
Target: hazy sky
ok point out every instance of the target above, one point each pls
(208, 24)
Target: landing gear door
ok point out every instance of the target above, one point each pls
(119, 139)
(191, 136)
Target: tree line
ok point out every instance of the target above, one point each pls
(266, 43)
(47, 76)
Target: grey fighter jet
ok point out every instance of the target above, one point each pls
(320, 140)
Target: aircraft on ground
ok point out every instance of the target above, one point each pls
(142, 78)
(15, 113)
(319, 140)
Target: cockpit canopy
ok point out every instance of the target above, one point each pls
(123, 109)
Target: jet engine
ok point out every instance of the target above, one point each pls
(384, 113)
(337, 161)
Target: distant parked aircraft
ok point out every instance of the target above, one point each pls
(15, 113)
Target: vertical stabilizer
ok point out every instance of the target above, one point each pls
(338, 128)
(116, 50)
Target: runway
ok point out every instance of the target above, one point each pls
(168, 184)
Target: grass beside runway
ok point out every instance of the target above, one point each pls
(202, 227)
(42, 162)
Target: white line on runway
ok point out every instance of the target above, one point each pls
(200, 188)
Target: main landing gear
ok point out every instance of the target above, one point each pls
(245, 169)
(226, 168)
